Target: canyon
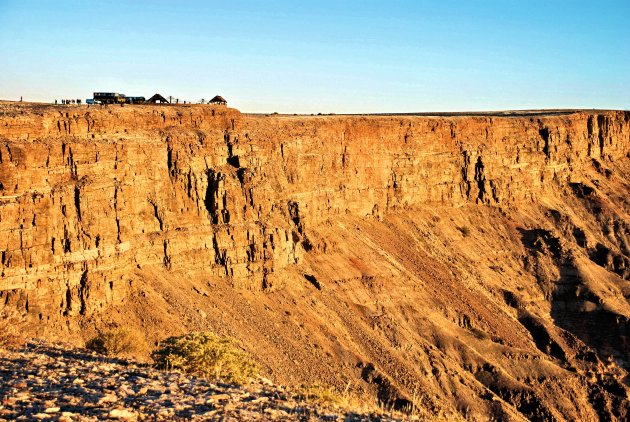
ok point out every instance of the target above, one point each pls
(472, 266)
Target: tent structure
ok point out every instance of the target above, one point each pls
(157, 98)
(218, 100)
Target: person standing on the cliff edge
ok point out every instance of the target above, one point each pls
(20, 98)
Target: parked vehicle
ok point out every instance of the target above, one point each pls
(135, 100)
(110, 97)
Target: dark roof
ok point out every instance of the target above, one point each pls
(157, 98)
(218, 100)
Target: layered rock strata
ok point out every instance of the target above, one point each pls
(93, 200)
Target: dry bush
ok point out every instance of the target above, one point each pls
(480, 334)
(206, 354)
(465, 230)
(320, 394)
(118, 342)
(327, 395)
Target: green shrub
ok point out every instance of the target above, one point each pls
(117, 342)
(206, 354)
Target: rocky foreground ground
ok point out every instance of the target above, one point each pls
(53, 382)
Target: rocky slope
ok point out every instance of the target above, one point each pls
(61, 383)
(472, 265)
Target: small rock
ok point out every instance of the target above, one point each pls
(108, 398)
(22, 396)
(124, 414)
(219, 397)
(9, 401)
(229, 407)
(276, 413)
(265, 381)
(52, 410)
(127, 391)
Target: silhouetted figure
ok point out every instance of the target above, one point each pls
(55, 102)
(20, 98)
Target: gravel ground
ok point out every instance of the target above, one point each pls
(56, 382)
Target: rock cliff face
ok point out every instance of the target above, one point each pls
(467, 265)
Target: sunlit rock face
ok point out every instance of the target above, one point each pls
(469, 265)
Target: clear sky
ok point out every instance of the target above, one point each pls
(323, 56)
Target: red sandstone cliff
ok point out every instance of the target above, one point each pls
(473, 265)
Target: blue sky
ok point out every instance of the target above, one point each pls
(323, 56)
